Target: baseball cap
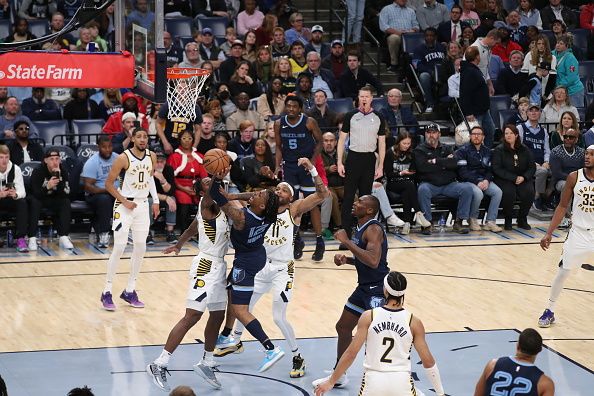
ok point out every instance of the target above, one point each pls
(532, 105)
(159, 152)
(207, 30)
(127, 115)
(544, 65)
(432, 127)
(336, 42)
(51, 152)
(317, 28)
(236, 43)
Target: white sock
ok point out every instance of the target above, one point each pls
(139, 238)
(208, 358)
(557, 287)
(295, 352)
(112, 263)
(238, 331)
(163, 359)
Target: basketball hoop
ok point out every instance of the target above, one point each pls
(183, 88)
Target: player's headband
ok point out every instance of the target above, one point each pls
(590, 147)
(392, 292)
(288, 186)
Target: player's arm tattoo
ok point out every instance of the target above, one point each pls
(235, 214)
(187, 234)
(240, 196)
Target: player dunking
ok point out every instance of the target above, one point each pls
(516, 375)
(206, 290)
(370, 248)
(389, 332)
(579, 244)
(130, 212)
(278, 274)
(247, 236)
(298, 136)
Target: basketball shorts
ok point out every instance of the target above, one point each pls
(366, 297)
(388, 383)
(137, 219)
(578, 247)
(207, 284)
(298, 178)
(241, 279)
(278, 277)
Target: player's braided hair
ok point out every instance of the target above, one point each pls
(271, 207)
(397, 281)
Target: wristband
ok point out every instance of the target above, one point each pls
(313, 172)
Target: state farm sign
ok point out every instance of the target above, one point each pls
(49, 72)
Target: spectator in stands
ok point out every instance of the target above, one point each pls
(400, 178)
(474, 168)
(511, 79)
(111, 103)
(454, 81)
(435, 168)
(517, 32)
(469, 15)
(50, 189)
(38, 108)
(56, 25)
(208, 49)
(187, 166)
(11, 116)
(121, 140)
(521, 114)
(541, 52)
(21, 33)
(230, 37)
(213, 108)
(3, 97)
(488, 20)
(587, 16)
(5, 13)
(394, 20)
(448, 68)
(297, 32)
(265, 32)
(263, 65)
(474, 94)
(468, 37)
(207, 140)
(567, 121)
(425, 57)
(432, 14)
(93, 176)
(130, 103)
(335, 181)
(557, 106)
(269, 136)
(552, 12)
(514, 168)
(536, 138)
(284, 71)
(317, 42)
(210, 8)
(451, 30)
(227, 105)
(241, 81)
(84, 39)
(243, 143)
(356, 77)
(229, 65)
(303, 89)
(321, 78)
(355, 14)
(279, 45)
(326, 118)
(141, 15)
(532, 89)
(250, 48)
(81, 106)
(505, 46)
(244, 113)
(398, 115)
(21, 149)
(169, 130)
(258, 167)
(298, 60)
(529, 15)
(192, 56)
(249, 18)
(12, 196)
(496, 7)
(174, 52)
(568, 73)
(165, 184)
(336, 60)
(272, 103)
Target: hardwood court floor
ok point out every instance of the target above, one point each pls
(481, 281)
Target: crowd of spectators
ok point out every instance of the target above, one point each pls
(270, 52)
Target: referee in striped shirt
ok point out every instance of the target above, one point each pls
(366, 129)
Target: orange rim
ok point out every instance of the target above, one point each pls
(185, 72)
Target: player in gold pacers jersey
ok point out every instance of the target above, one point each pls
(135, 167)
(389, 333)
(579, 244)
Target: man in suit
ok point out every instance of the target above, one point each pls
(452, 29)
(548, 15)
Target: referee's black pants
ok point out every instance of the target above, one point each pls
(359, 171)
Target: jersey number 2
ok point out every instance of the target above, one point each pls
(505, 380)
(390, 342)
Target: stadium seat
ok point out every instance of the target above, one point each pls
(340, 105)
(509, 5)
(85, 151)
(504, 115)
(65, 151)
(53, 130)
(580, 39)
(589, 98)
(379, 103)
(179, 26)
(582, 113)
(85, 128)
(410, 41)
(217, 24)
(586, 69)
(183, 40)
(5, 27)
(550, 35)
(499, 102)
(39, 27)
(27, 169)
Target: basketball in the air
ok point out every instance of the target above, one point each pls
(215, 160)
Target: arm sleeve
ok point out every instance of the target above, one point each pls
(19, 183)
(153, 190)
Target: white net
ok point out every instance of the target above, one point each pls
(183, 89)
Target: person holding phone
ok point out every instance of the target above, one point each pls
(12, 194)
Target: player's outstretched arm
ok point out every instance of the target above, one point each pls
(232, 212)
(481, 385)
(374, 235)
(427, 358)
(561, 209)
(185, 237)
(349, 356)
(311, 201)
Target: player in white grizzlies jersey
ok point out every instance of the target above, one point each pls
(389, 333)
(579, 245)
(206, 287)
(130, 212)
(277, 276)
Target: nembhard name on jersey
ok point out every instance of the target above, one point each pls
(390, 326)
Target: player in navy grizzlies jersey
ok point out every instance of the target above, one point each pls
(370, 248)
(247, 236)
(516, 375)
(297, 136)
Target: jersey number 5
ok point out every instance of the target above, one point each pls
(390, 342)
(293, 144)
